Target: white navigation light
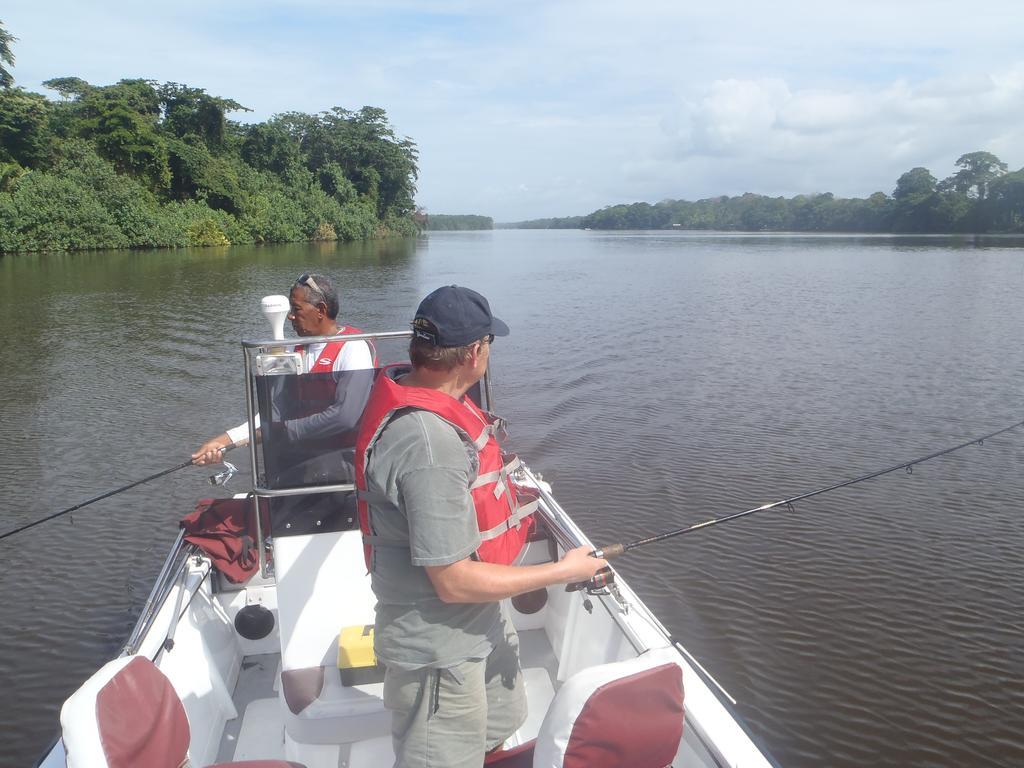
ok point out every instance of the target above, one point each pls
(276, 361)
(275, 309)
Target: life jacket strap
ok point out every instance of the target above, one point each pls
(378, 500)
(374, 540)
(483, 437)
(498, 476)
(513, 520)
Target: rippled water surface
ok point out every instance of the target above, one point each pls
(657, 380)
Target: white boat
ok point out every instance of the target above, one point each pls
(269, 669)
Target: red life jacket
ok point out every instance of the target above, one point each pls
(501, 517)
(315, 393)
(324, 362)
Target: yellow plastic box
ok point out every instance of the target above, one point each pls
(356, 660)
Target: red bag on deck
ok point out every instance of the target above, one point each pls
(225, 530)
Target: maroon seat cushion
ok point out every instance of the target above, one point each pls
(140, 719)
(635, 721)
(517, 757)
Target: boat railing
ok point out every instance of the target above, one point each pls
(170, 574)
(635, 621)
(617, 603)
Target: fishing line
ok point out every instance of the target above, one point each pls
(617, 550)
(218, 479)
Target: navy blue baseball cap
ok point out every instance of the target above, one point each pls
(453, 316)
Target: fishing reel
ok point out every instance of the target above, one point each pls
(222, 477)
(605, 577)
(598, 585)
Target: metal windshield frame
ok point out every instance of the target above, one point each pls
(251, 347)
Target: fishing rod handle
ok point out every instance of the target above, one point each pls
(221, 450)
(601, 579)
(604, 577)
(607, 553)
(231, 446)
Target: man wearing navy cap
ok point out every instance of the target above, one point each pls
(443, 528)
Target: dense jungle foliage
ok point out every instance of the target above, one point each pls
(440, 222)
(980, 197)
(566, 222)
(142, 164)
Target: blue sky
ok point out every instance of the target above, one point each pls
(535, 109)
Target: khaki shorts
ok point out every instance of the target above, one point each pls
(449, 718)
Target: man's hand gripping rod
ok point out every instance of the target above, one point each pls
(605, 576)
(602, 578)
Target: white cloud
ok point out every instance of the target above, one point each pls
(764, 135)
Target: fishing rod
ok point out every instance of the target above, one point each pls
(219, 479)
(604, 576)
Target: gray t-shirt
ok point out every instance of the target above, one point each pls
(424, 468)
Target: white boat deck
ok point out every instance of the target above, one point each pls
(232, 694)
(259, 730)
(249, 721)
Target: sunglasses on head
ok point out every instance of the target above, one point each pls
(306, 279)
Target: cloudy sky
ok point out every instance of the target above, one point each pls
(559, 107)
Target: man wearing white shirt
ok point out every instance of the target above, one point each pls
(314, 312)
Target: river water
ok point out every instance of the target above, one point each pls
(657, 380)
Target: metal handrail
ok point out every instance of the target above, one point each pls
(568, 535)
(268, 343)
(273, 493)
(250, 414)
(157, 594)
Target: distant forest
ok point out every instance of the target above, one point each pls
(143, 164)
(440, 222)
(980, 197)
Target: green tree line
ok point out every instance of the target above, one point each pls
(566, 222)
(144, 164)
(980, 197)
(439, 222)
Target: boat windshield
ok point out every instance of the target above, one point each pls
(304, 425)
